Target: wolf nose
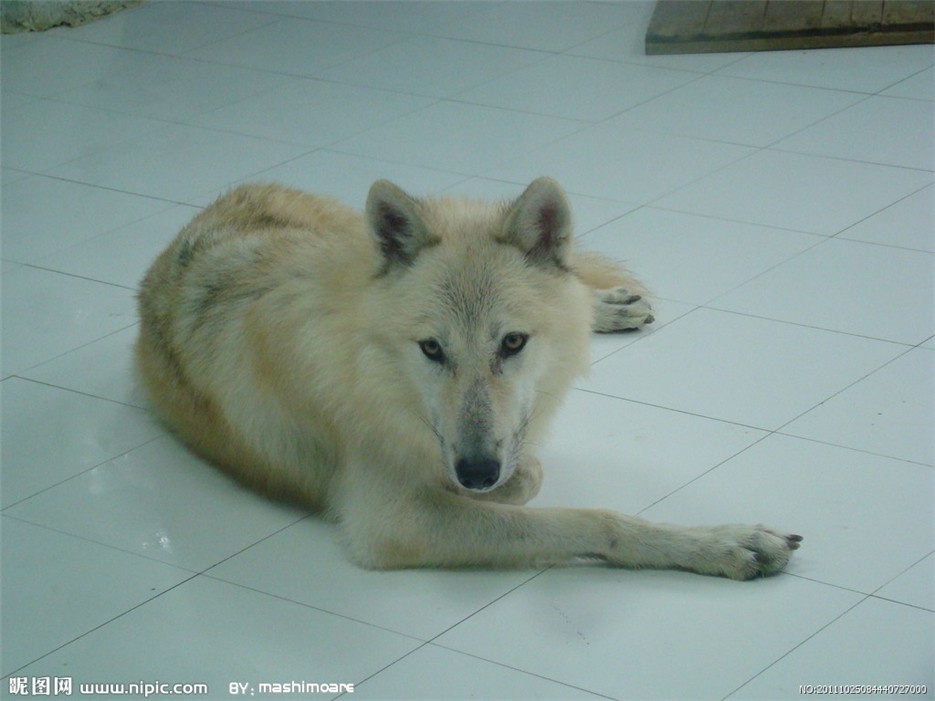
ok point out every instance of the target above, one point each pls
(477, 473)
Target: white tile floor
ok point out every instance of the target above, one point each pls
(779, 204)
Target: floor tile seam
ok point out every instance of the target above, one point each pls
(842, 232)
(184, 119)
(841, 237)
(865, 98)
(454, 99)
(164, 128)
(754, 148)
(169, 203)
(697, 77)
(366, 679)
(331, 81)
(274, 18)
(904, 98)
(431, 642)
(92, 541)
(655, 205)
(399, 37)
(21, 372)
(641, 336)
(685, 412)
(62, 39)
(883, 91)
(334, 149)
(636, 20)
(705, 473)
(768, 144)
(917, 607)
(305, 605)
(504, 665)
(75, 276)
(272, 10)
(37, 262)
(585, 126)
(763, 317)
(799, 644)
(842, 159)
(769, 435)
(300, 515)
(6, 509)
(155, 126)
(877, 595)
(792, 83)
(897, 458)
(98, 627)
(91, 395)
(819, 241)
(207, 573)
(753, 151)
(877, 591)
(337, 149)
(822, 241)
(433, 34)
(60, 96)
(196, 571)
(906, 349)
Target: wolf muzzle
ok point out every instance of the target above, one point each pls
(477, 473)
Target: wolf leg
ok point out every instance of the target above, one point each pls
(443, 529)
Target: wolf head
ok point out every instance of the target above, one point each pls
(484, 323)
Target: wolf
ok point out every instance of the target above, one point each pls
(393, 369)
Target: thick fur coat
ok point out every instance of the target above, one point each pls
(394, 368)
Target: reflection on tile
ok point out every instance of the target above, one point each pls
(162, 502)
(616, 632)
(64, 587)
(215, 633)
(46, 315)
(51, 435)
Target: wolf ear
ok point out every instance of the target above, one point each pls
(539, 224)
(396, 223)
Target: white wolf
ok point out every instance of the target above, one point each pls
(394, 369)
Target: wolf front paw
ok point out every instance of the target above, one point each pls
(744, 552)
(618, 309)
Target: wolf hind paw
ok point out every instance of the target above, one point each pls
(618, 309)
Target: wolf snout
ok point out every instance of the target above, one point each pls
(478, 473)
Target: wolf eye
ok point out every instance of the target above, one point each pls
(432, 350)
(513, 343)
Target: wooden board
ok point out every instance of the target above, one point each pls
(706, 26)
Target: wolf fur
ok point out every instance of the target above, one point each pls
(394, 370)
